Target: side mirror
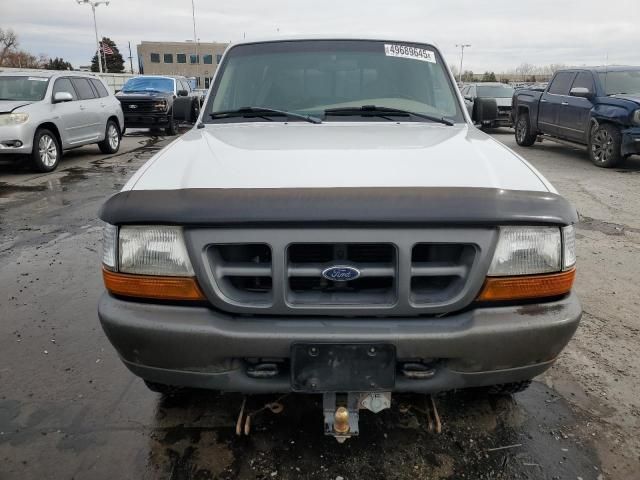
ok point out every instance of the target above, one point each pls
(583, 92)
(183, 93)
(469, 98)
(61, 97)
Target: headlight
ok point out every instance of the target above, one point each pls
(568, 247)
(527, 251)
(148, 262)
(13, 119)
(531, 263)
(636, 117)
(109, 246)
(160, 106)
(153, 251)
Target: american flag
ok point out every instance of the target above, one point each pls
(106, 49)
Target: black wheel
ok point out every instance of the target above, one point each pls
(525, 137)
(509, 388)
(605, 146)
(161, 387)
(111, 142)
(46, 152)
(172, 129)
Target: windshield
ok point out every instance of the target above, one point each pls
(149, 84)
(19, 88)
(495, 91)
(310, 77)
(620, 82)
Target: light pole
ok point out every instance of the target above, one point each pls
(94, 4)
(462, 47)
(195, 40)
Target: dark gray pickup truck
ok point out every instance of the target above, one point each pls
(597, 107)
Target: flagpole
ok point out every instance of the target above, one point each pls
(130, 59)
(104, 55)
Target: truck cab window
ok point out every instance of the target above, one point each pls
(561, 83)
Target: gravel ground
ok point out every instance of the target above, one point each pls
(69, 409)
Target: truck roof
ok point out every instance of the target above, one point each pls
(604, 69)
(331, 36)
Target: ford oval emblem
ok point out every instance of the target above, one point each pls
(341, 273)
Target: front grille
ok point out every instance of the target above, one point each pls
(504, 112)
(439, 271)
(243, 272)
(377, 264)
(401, 271)
(138, 107)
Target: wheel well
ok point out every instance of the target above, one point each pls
(52, 127)
(522, 110)
(115, 119)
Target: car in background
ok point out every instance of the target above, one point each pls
(499, 97)
(594, 107)
(44, 113)
(150, 101)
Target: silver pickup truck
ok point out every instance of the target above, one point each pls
(336, 225)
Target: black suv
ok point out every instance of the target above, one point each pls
(158, 102)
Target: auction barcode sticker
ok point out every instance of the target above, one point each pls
(406, 51)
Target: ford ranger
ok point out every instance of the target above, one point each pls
(335, 224)
(594, 107)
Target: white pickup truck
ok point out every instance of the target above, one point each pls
(335, 224)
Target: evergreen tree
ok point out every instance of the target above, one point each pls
(489, 77)
(115, 62)
(57, 64)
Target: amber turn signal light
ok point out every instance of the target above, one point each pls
(526, 287)
(148, 286)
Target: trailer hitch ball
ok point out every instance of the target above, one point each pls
(341, 420)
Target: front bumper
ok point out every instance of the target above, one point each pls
(631, 141)
(147, 120)
(16, 139)
(204, 348)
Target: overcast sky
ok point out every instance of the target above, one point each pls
(503, 33)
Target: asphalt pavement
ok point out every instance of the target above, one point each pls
(70, 409)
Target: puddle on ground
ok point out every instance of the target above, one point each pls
(608, 228)
(7, 189)
(531, 435)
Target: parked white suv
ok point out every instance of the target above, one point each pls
(44, 113)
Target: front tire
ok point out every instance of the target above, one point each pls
(46, 152)
(172, 129)
(111, 142)
(525, 137)
(605, 144)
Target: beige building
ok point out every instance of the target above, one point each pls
(189, 59)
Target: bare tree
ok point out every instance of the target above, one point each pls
(8, 42)
(526, 69)
(21, 59)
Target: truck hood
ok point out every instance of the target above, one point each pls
(143, 96)
(634, 97)
(336, 154)
(7, 106)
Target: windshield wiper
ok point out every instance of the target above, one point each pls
(617, 93)
(262, 112)
(377, 111)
